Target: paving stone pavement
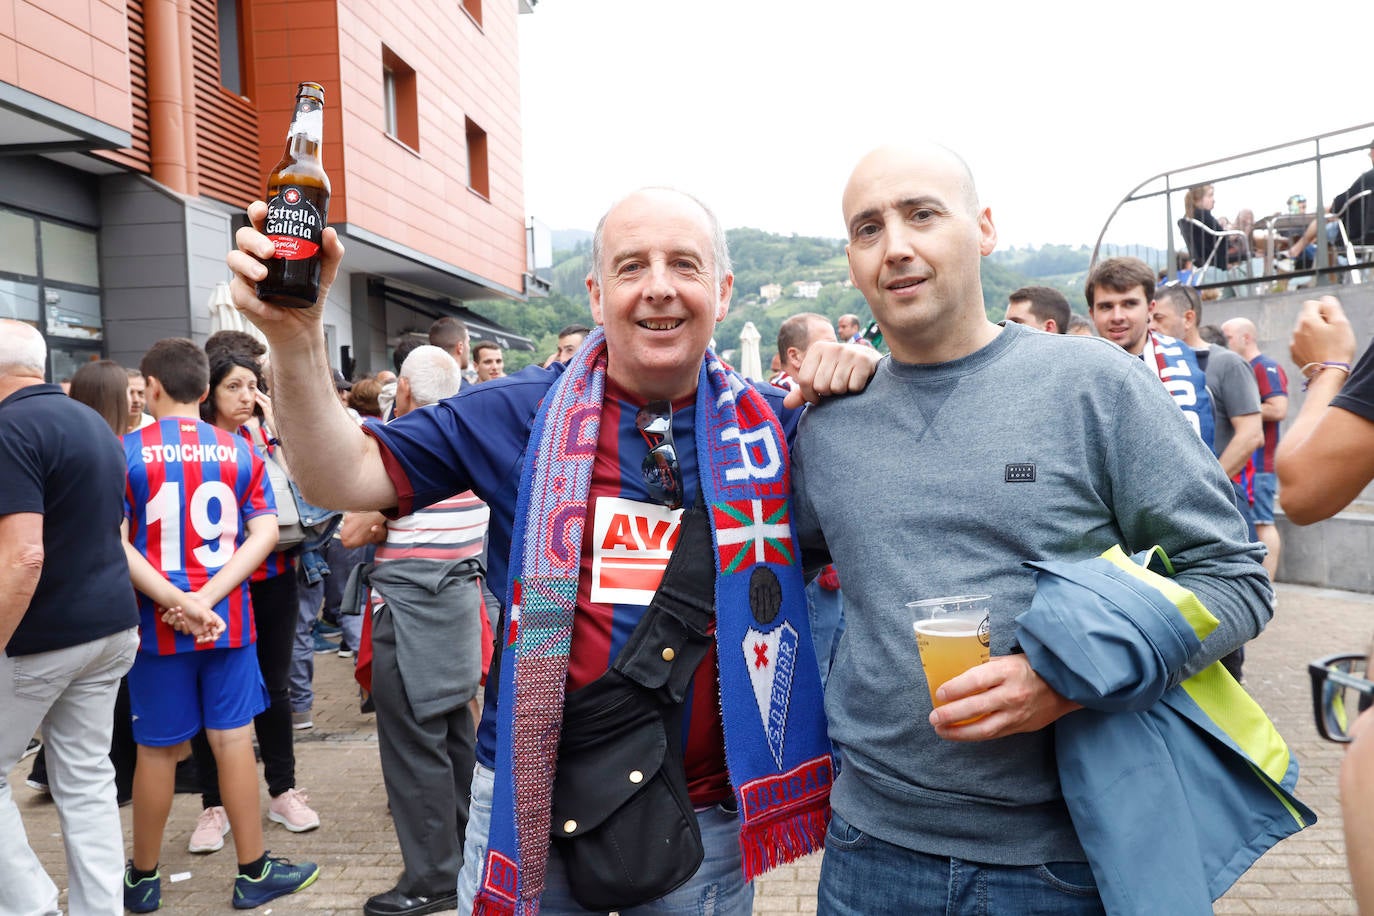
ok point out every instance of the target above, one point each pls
(337, 764)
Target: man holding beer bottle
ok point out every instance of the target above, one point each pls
(992, 447)
(642, 390)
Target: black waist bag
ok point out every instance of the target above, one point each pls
(622, 819)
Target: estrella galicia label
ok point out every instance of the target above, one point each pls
(294, 225)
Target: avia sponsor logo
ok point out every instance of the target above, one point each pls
(772, 661)
(773, 796)
(631, 544)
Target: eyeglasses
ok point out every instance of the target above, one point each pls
(1340, 692)
(661, 476)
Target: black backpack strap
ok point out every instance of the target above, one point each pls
(677, 628)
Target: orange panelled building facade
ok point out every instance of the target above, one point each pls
(134, 132)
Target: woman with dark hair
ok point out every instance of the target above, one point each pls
(103, 386)
(232, 403)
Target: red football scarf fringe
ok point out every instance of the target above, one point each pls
(770, 845)
(487, 905)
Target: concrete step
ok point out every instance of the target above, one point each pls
(1335, 553)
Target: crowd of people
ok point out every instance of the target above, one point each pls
(1285, 239)
(692, 648)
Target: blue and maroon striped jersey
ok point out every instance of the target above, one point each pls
(190, 492)
(1273, 382)
(477, 439)
(626, 542)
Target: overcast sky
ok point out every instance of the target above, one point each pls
(1060, 108)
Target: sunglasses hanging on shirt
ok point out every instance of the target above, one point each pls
(660, 468)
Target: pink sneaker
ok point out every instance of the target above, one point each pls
(291, 811)
(211, 827)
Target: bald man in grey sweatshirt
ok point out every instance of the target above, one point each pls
(984, 447)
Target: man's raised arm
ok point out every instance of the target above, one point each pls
(333, 461)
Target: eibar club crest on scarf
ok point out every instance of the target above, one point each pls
(776, 748)
(772, 658)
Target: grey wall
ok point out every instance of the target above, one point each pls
(209, 237)
(143, 264)
(41, 186)
(368, 327)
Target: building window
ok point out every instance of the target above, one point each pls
(474, 9)
(477, 159)
(230, 20)
(399, 108)
(50, 279)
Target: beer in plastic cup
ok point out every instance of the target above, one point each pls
(952, 635)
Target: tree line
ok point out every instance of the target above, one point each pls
(761, 258)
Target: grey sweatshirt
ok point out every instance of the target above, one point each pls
(942, 480)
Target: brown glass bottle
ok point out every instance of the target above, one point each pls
(297, 207)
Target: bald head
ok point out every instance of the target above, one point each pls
(23, 352)
(924, 160)
(916, 239)
(719, 249)
(1241, 337)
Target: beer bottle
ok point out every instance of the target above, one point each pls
(297, 207)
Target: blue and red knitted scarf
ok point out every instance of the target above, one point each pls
(776, 747)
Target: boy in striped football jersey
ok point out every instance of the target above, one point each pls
(199, 520)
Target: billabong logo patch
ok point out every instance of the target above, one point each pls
(1020, 473)
(772, 660)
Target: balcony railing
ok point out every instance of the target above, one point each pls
(1146, 221)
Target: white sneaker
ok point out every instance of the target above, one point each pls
(211, 827)
(291, 811)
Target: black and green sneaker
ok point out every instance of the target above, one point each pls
(279, 878)
(143, 895)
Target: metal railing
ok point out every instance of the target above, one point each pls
(1310, 151)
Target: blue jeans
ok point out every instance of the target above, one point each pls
(302, 677)
(717, 889)
(862, 875)
(1266, 486)
(1246, 512)
(826, 610)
